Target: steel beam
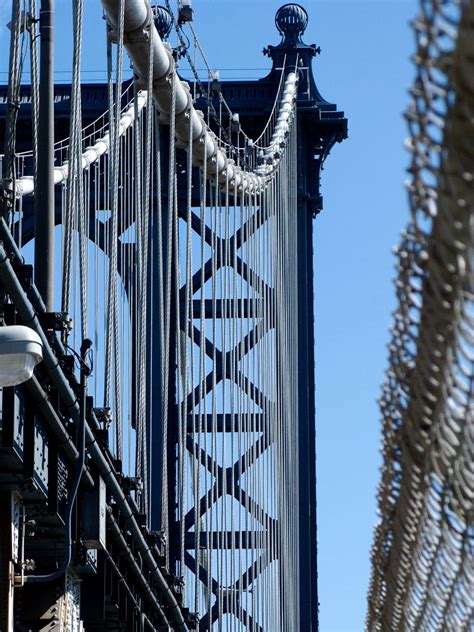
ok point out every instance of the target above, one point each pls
(227, 540)
(44, 199)
(246, 422)
(306, 405)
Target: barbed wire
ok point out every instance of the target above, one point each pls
(422, 558)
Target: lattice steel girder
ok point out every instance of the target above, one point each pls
(226, 479)
(227, 308)
(234, 590)
(241, 349)
(226, 540)
(253, 422)
(320, 127)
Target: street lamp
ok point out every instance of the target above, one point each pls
(20, 351)
(185, 12)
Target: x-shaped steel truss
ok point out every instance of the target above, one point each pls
(227, 478)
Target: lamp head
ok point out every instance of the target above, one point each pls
(21, 350)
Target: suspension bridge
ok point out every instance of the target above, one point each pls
(157, 444)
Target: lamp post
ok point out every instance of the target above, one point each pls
(44, 197)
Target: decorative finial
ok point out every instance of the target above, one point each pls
(163, 21)
(291, 21)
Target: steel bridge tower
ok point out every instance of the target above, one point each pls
(320, 126)
(39, 454)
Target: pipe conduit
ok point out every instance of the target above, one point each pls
(125, 550)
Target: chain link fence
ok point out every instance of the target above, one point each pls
(422, 557)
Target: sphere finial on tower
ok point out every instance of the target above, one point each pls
(291, 21)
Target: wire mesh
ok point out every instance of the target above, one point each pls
(422, 558)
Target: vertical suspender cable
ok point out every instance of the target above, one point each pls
(112, 339)
(34, 83)
(188, 329)
(169, 376)
(12, 101)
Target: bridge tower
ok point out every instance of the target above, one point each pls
(320, 125)
(113, 589)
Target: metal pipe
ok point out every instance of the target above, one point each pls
(32, 291)
(143, 618)
(40, 397)
(44, 201)
(29, 317)
(65, 442)
(72, 492)
(13, 251)
(113, 485)
(138, 24)
(125, 549)
(146, 620)
(27, 314)
(10, 243)
(122, 580)
(42, 402)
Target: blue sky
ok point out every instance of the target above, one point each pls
(364, 68)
